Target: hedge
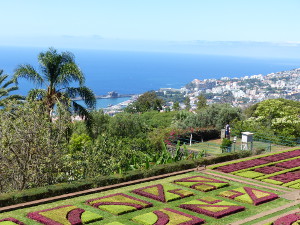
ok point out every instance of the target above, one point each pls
(32, 194)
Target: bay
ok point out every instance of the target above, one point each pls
(106, 102)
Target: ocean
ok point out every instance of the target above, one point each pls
(138, 72)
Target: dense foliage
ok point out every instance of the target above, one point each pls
(272, 118)
(146, 102)
(31, 146)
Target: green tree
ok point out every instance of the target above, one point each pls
(155, 119)
(127, 125)
(146, 102)
(31, 146)
(187, 103)
(100, 123)
(176, 106)
(58, 72)
(215, 115)
(249, 111)
(6, 88)
(201, 102)
(280, 115)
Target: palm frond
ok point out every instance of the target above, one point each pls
(36, 94)
(28, 72)
(83, 113)
(18, 99)
(68, 57)
(70, 72)
(7, 83)
(85, 93)
(14, 88)
(2, 77)
(3, 92)
(49, 63)
(52, 65)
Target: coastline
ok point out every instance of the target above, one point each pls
(109, 96)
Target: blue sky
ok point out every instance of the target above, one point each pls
(149, 24)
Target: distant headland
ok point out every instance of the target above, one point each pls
(111, 94)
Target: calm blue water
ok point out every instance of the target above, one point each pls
(138, 72)
(105, 102)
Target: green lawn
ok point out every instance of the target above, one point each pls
(212, 147)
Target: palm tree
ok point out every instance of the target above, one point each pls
(5, 90)
(58, 72)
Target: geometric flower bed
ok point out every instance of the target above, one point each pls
(241, 165)
(289, 164)
(201, 183)
(249, 195)
(118, 203)
(66, 214)
(162, 193)
(269, 169)
(10, 221)
(282, 156)
(288, 219)
(167, 216)
(278, 168)
(287, 177)
(277, 157)
(155, 202)
(212, 207)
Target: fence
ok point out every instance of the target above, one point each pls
(260, 144)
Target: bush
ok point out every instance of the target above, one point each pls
(226, 144)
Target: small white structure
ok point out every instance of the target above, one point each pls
(247, 141)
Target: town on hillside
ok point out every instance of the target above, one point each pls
(240, 92)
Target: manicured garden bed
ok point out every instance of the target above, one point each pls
(282, 168)
(187, 199)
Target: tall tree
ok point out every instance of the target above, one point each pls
(187, 103)
(31, 146)
(176, 106)
(58, 72)
(6, 88)
(202, 102)
(146, 102)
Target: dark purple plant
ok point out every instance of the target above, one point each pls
(288, 219)
(241, 165)
(12, 220)
(269, 169)
(289, 164)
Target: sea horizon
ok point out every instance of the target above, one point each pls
(137, 72)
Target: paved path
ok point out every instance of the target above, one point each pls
(276, 217)
(257, 216)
